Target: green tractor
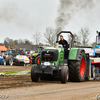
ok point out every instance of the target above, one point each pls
(36, 56)
(53, 63)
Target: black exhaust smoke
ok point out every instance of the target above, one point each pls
(68, 8)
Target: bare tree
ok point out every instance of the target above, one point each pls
(50, 36)
(37, 37)
(27, 42)
(84, 33)
(12, 43)
(20, 41)
(82, 38)
(1, 44)
(77, 40)
(8, 42)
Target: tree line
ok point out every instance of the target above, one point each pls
(82, 38)
(12, 43)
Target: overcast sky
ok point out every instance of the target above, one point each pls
(22, 18)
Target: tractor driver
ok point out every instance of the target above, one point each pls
(65, 46)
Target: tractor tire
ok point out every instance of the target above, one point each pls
(64, 74)
(7, 61)
(11, 61)
(4, 62)
(77, 69)
(37, 60)
(34, 76)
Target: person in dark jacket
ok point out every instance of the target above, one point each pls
(63, 42)
(65, 46)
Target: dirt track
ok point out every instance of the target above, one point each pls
(21, 88)
(19, 81)
(15, 68)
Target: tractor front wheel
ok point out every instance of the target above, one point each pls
(34, 76)
(64, 74)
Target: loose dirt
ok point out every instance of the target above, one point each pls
(22, 88)
(15, 68)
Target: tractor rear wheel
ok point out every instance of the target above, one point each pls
(77, 69)
(34, 76)
(7, 61)
(64, 74)
(11, 61)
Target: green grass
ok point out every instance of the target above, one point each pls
(14, 72)
(10, 72)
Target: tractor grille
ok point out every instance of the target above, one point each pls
(49, 55)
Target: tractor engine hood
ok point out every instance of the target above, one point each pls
(49, 54)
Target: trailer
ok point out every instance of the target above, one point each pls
(93, 60)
